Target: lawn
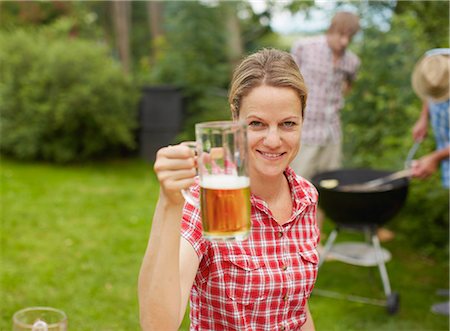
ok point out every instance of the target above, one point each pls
(73, 237)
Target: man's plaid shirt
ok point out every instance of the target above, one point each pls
(262, 283)
(324, 81)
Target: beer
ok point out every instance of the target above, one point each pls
(225, 207)
(224, 202)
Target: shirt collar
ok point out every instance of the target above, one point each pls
(303, 193)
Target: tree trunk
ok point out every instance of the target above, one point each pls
(122, 20)
(235, 44)
(155, 12)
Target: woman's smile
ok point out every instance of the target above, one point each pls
(271, 156)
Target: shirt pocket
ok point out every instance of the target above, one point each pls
(309, 268)
(244, 279)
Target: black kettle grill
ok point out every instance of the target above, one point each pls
(362, 211)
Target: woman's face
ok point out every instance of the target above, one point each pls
(274, 119)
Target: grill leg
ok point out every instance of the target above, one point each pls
(381, 265)
(328, 245)
(368, 231)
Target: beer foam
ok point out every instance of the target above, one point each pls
(224, 182)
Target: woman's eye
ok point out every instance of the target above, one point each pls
(255, 124)
(289, 124)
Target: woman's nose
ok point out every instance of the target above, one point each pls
(272, 138)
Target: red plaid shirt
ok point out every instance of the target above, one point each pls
(261, 283)
(324, 81)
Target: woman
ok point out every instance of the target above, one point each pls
(262, 283)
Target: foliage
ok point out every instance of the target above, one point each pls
(433, 16)
(382, 107)
(425, 220)
(62, 99)
(193, 56)
(256, 29)
(140, 39)
(81, 18)
(32, 12)
(379, 115)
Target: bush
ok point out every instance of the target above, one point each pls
(62, 99)
(425, 220)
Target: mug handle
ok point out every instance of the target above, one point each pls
(189, 198)
(186, 194)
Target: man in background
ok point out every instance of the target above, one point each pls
(329, 70)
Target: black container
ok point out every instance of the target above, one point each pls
(360, 208)
(160, 116)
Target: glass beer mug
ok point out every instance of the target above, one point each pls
(223, 178)
(40, 319)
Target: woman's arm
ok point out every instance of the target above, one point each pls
(168, 268)
(309, 324)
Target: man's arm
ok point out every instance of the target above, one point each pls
(350, 76)
(420, 128)
(346, 86)
(428, 164)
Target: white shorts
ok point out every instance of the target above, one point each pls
(313, 159)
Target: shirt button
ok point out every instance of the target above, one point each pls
(284, 267)
(282, 328)
(285, 297)
(280, 234)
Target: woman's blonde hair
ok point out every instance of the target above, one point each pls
(269, 67)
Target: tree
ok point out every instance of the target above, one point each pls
(433, 17)
(121, 19)
(234, 35)
(155, 16)
(155, 12)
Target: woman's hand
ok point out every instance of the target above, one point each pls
(175, 168)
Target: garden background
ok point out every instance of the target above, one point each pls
(77, 195)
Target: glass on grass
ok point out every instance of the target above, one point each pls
(40, 319)
(224, 201)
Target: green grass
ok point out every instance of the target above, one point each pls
(72, 237)
(416, 278)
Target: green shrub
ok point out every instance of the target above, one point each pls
(426, 218)
(62, 99)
